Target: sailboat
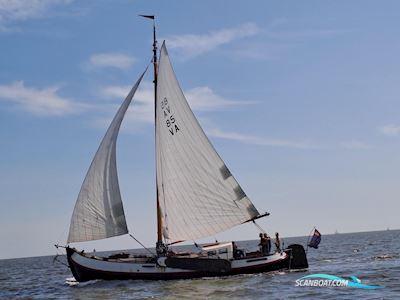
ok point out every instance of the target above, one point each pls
(196, 197)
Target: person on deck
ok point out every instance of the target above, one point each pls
(237, 253)
(268, 243)
(234, 250)
(263, 244)
(277, 242)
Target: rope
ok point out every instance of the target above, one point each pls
(142, 245)
(55, 259)
(62, 234)
(259, 227)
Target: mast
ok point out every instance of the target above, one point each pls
(160, 245)
(159, 219)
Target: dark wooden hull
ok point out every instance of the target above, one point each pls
(85, 268)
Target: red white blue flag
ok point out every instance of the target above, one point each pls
(315, 240)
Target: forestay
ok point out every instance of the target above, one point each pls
(98, 211)
(198, 195)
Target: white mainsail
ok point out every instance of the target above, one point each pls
(197, 193)
(98, 211)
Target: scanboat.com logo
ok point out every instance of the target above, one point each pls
(322, 280)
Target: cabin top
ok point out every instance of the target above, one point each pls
(218, 250)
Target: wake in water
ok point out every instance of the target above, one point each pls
(385, 256)
(71, 281)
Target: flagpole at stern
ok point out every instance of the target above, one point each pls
(309, 235)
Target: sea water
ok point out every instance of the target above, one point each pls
(373, 257)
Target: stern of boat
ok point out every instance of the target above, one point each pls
(297, 257)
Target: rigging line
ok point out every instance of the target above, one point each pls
(55, 259)
(142, 245)
(62, 234)
(147, 67)
(259, 227)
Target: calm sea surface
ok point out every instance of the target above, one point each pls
(373, 257)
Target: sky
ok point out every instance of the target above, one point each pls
(300, 99)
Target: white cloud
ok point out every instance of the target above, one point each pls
(277, 40)
(390, 130)
(261, 141)
(12, 11)
(199, 98)
(356, 145)
(204, 99)
(38, 101)
(140, 111)
(306, 33)
(193, 45)
(115, 60)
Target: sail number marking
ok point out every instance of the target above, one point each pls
(169, 118)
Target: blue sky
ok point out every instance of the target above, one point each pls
(299, 98)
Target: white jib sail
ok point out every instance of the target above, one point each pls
(198, 195)
(98, 211)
